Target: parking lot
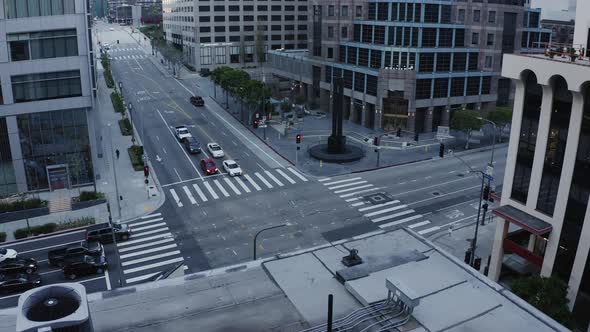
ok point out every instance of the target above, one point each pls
(38, 249)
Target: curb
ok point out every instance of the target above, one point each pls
(41, 236)
(394, 165)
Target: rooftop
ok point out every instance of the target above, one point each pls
(290, 293)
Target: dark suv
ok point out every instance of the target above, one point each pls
(84, 265)
(104, 232)
(192, 145)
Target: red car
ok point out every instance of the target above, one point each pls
(208, 166)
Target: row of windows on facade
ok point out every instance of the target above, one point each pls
(43, 86)
(166, 8)
(247, 38)
(33, 8)
(237, 54)
(43, 44)
(250, 8)
(236, 28)
(453, 87)
(352, 80)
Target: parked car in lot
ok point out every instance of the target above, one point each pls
(85, 265)
(18, 265)
(215, 150)
(7, 254)
(12, 283)
(192, 145)
(181, 133)
(208, 166)
(58, 257)
(104, 232)
(232, 168)
(197, 101)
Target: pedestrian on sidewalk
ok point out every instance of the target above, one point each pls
(117, 153)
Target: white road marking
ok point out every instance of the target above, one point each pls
(254, 184)
(145, 245)
(391, 216)
(163, 149)
(341, 181)
(107, 279)
(285, 176)
(200, 193)
(151, 266)
(352, 199)
(429, 230)
(425, 222)
(140, 278)
(346, 185)
(175, 171)
(142, 233)
(274, 178)
(176, 198)
(357, 204)
(354, 188)
(133, 224)
(232, 186)
(324, 179)
(378, 206)
(297, 174)
(266, 183)
(385, 210)
(360, 192)
(151, 215)
(401, 221)
(150, 258)
(211, 191)
(144, 239)
(148, 251)
(223, 191)
(139, 229)
(243, 185)
(189, 195)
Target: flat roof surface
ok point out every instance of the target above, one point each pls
(290, 293)
(523, 219)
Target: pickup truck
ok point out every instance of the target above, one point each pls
(59, 257)
(181, 132)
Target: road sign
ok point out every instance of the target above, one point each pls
(488, 177)
(490, 170)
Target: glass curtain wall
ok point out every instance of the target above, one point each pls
(7, 178)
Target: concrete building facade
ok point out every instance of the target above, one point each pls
(215, 33)
(562, 31)
(410, 64)
(47, 81)
(544, 218)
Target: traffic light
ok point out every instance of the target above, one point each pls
(298, 138)
(255, 125)
(486, 193)
(376, 140)
(146, 171)
(441, 150)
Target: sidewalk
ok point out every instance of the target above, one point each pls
(135, 200)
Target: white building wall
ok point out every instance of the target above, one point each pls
(582, 23)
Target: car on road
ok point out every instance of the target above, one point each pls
(58, 257)
(232, 168)
(85, 265)
(6, 254)
(106, 46)
(104, 232)
(208, 166)
(215, 150)
(192, 145)
(197, 101)
(18, 265)
(12, 283)
(182, 132)
(112, 29)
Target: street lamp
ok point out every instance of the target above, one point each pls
(490, 169)
(266, 229)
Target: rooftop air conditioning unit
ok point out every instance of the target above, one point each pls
(54, 307)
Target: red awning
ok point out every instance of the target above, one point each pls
(530, 223)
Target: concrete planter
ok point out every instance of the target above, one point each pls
(24, 214)
(87, 204)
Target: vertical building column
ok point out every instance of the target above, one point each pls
(364, 115)
(580, 261)
(411, 124)
(17, 154)
(445, 117)
(540, 147)
(428, 120)
(516, 124)
(498, 249)
(567, 171)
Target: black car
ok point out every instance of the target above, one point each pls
(197, 101)
(11, 283)
(104, 232)
(192, 145)
(18, 265)
(57, 257)
(84, 266)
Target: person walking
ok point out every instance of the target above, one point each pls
(117, 153)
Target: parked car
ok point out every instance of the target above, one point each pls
(232, 168)
(58, 257)
(6, 254)
(182, 132)
(18, 265)
(208, 166)
(215, 150)
(197, 101)
(85, 265)
(12, 283)
(104, 232)
(192, 145)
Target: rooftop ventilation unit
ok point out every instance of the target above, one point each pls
(54, 307)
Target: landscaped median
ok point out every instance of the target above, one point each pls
(125, 126)
(108, 76)
(117, 101)
(22, 204)
(51, 227)
(2, 237)
(135, 154)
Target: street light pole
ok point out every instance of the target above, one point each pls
(114, 171)
(474, 240)
(266, 229)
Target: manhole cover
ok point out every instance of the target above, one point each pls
(435, 193)
(378, 198)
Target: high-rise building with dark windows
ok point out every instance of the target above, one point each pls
(410, 64)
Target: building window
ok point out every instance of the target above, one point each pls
(234, 54)
(344, 11)
(430, 13)
(330, 53)
(219, 8)
(475, 38)
(441, 87)
(344, 32)
(206, 58)
(443, 62)
(490, 39)
(476, 15)
(457, 86)
(423, 88)
(220, 55)
(359, 11)
(426, 63)
(461, 15)
(43, 45)
(330, 10)
(472, 86)
(330, 32)
(488, 64)
(46, 86)
(220, 28)
(492, 17)
(32, 8)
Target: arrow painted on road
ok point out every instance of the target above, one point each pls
(158, 158)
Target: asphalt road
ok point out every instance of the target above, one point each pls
(38, 249)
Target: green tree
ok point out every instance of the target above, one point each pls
(547, 295)
(466, 121)
(502, 116)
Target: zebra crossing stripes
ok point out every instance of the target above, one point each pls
(176, 198)
(223, 191)
(254, 184)
(243, 185)
(301, 177)
(277, 181)
(266, 183)
(347, 185)
(210, 189)
(231, 185)
(285, 176)
(189, 194)
(200, 193)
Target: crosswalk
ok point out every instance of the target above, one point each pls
(150, 250)
(130, 57)
(223, 187)
(128, 49)
(373, 204)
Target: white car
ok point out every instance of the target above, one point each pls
(7, 254)
(112, 29)
(215, 150)
(232, 168)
